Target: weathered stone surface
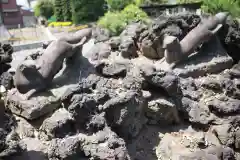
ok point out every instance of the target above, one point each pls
(128, 48)
(224, 106)
(148, 50)
(189, 89)
(213, 153)
(102, 145)
(134, 79)
(113, 70)
(33, 108)
(225, 134)
(34, 149)
(230, 38)
(59, 125)
(96, 123)
(100, 34)
(186, 144)
(84, 86)
(8, 145)
(165, 81)
(163, 112)
(82, 106)
(114, 42)
(6, 80)
(99, 51)
(125, 113)
(24, 129)
(195, 112)
(68, 148)
(105, 144)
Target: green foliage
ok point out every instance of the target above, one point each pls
(115, 22)
(215, 6)
(149, 2)
(58, 10)
(66, 7)
(44, 8)
(116, 5)
(86, 10)
(133, 13)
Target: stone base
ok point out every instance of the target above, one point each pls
(31, 109)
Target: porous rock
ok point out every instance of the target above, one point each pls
(104, 144)
(82, 106)
(84, 86)
(186, 144)
(24, 129)
(112, 70)
(99, 51)
(164, 81)
(230, 38)
(68, 148)
(125, 113)
(163, 112)
(128, 46)
(114, 42)
(6, 80)
(225, 134)
(59, 125)
(195, 112)
(224, 106)
(9, 145)
(33, 108)
(148, 50)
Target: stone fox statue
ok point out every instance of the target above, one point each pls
(34, 76)
(176, 51)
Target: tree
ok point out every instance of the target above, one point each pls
(215, 6)
(67, 14)
(116, 21)
(87, 10)
(117, 5)
(58, 10)
(44, 8)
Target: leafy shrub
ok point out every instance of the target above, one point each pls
(44, 8)
(215, 6)
(86, 10)
(115, 22)
(117, 5)
(133, 13)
